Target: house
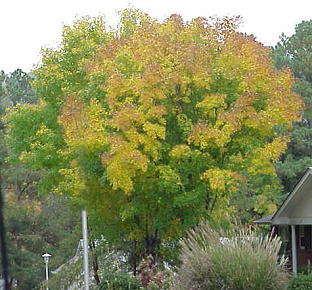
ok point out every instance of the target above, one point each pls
(293, 222)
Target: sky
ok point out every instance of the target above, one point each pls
(28, 26)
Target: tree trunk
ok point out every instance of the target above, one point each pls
(152, 244)
(95, 263)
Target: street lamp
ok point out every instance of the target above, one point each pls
(46, 257)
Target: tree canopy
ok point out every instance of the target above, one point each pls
(156, 125)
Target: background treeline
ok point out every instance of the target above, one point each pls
(34, 223)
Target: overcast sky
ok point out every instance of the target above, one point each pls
(27, 26)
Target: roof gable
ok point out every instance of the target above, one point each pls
(297, 207)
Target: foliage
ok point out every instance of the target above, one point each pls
(119, 281)
(35, 226)
(16, 89)
(155, 126)
(236, 259)
(25, 241)
(70, 275)
(295, 52)
(151, 273)
(300, 282)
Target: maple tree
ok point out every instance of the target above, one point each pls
(155, 126)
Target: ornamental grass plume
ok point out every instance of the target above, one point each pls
(237, 259)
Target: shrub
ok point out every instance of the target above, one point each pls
(119, 281)
(150, 273)
(239, 261)
(301, 282)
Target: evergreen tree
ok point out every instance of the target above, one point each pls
(295, 52)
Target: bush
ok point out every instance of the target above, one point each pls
(119, 281)
(240, 261)
(301, 282)
(152, 274)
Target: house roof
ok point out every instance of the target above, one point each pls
(265, 220)
(297, 207)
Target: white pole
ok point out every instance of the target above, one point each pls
(85, 250)
(294, 249)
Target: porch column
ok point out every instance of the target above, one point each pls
(294, 249)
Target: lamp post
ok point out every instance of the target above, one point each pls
(46, 257)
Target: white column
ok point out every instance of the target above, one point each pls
(294, 249)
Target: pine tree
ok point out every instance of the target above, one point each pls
(295, 52)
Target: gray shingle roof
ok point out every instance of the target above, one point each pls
(265, 220)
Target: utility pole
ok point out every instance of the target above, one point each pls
(85, 249)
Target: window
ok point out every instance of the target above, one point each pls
(305, 237)
(302, 241)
